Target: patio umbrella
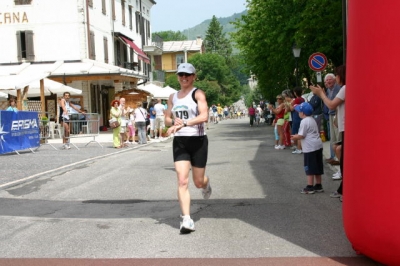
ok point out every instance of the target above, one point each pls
(164, 93)
(3, 95)
(50, 86)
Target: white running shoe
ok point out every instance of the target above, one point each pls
(65, 147)
(277, 147)
(187, 226)
(282, 147)
(207, 191)
(297, 151)
(337, 176)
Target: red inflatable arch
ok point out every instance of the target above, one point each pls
(371, 202)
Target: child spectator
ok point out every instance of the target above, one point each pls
(312, 148)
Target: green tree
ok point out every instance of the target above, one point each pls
(173, 82)
(215, 40)
(214, 77)
(267, 33)
(170, 36)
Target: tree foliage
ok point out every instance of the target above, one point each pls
(268, 32)
(216, 41)
(214, 77)
(217, 70)
(170, 36)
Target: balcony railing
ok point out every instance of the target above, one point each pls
(157, 41)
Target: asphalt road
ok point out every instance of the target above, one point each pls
(121, 208)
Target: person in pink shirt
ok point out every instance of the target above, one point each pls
(252, 113)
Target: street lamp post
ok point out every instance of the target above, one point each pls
(296, 52)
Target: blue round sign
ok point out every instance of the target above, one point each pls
(317, 61)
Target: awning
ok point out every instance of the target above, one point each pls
(50, 86)
(158, 92)
(19, 81)
(19, 75)
(142, 56)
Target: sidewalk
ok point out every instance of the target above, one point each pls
(103, 137)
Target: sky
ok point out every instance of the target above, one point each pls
(178, 15)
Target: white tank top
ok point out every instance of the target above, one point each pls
(186, 109)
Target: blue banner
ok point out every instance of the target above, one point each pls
(18, 131)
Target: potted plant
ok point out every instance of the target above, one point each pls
(44, 120)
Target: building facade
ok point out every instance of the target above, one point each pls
(175, 53)
(92, 45)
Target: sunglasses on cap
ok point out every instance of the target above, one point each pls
(181, 74)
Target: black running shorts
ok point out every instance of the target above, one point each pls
(193, 149)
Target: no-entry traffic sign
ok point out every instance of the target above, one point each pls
(317, 61)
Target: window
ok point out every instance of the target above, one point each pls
(123, 11)
(25, 45)
(117, 46)
(130, 17)
(105, 43)
(113, 9)
(103, 7)
(92, 49)
(22, 2)
(157, 62)
(148, 29)
(180, 58)
(137, 15)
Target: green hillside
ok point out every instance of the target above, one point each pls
(200, 30)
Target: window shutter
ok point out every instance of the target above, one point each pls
(19, 49)
(113, 9)
(92, 46)
(105, 41)
(30, 52)
(123, 12)
(103, 7)
(137, 22)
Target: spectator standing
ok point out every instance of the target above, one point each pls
(332, 89)
(124, 122)
(160, 119)
(152, 119)
(115, 112)
(278, 123)
(12, 105)
(65, 109)
(312, 148)
(337, 103)
(190, 145)
(252, 114)
(296, 118)
(131, 125)
(316, 104)
(140, 122)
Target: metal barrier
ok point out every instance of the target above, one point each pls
(83, 126)
(45, 130)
